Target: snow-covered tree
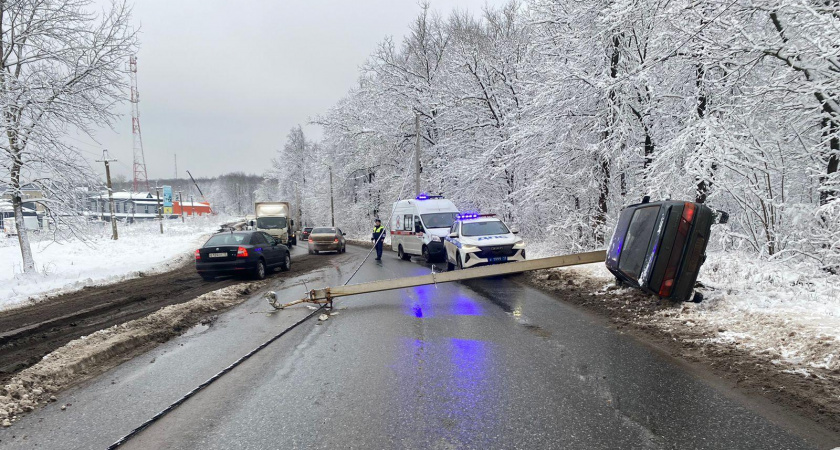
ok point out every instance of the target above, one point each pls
(62, 66)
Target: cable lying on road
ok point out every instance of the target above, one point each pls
(210, 381)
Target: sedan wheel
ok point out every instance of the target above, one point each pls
(287, 263)
(259, 272)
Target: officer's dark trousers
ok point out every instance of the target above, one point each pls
(379, 249)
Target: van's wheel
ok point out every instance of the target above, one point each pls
(403, 256)
(259, 271)
(316, 251)
(426, 255)
(458, 262)
(287, 263)
(310, 251)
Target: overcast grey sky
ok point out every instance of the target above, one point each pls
(221, 83)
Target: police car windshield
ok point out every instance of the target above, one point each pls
(270, 223)
(483, 228)
(439, 220)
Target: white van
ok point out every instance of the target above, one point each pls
(420, 225)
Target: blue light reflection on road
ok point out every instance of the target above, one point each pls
(454, 388)
(418, 302)
(465, 306)
(473, 404)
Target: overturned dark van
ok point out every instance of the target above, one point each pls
(660, 246)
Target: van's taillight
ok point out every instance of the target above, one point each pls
(677, 250)
(310, 239)
(336, 240)
(197, 255)
(242, 252)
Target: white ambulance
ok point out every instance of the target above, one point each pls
(479, 239)
(419, 226)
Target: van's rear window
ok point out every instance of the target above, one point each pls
(637, 241)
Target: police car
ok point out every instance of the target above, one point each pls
(477, 239)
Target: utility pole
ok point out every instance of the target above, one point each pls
(417, 154)
(107, 162)
(299, 207)
(176, 166)
(181, 200)
(332, 207)
(159, 207)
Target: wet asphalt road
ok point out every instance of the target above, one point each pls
(482, 364)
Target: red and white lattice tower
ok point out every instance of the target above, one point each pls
(141, 178)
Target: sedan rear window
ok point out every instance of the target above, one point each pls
(323, 231)
(637, 241)
(227, 239)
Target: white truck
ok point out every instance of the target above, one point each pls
(273, 218)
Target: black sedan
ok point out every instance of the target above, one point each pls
(241, 252)
(660, 246)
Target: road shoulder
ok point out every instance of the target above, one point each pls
(811, 404)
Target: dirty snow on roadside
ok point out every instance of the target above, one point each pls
(788, 313)
(71, 264)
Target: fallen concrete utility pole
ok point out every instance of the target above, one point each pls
(326, 295)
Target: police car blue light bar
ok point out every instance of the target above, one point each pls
(472, 215)
(425, 196)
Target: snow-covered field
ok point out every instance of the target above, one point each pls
(73, 264)
(789, 313)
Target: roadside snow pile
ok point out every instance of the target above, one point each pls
(790, 314)
(91, 355)
(72, 264)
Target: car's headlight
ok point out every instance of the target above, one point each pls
(519, 244)
(435, 238)
(468, 247)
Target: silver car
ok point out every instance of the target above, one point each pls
(326, 239)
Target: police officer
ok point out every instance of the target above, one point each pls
(378, 238)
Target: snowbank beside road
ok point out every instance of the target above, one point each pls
(73, 264)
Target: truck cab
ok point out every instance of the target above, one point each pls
(273, 218)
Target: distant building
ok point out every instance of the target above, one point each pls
(7, 218)
(33, 211)
(191, 208)
(131, 206)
